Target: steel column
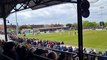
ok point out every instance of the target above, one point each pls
(4, 20)
(80, 32)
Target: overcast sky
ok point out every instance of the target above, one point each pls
(59, 14)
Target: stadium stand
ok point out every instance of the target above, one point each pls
(35, 49)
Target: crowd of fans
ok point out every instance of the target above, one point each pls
(35, 49)
(1, 33)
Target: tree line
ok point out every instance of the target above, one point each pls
(88, 24)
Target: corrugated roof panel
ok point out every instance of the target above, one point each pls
(34, 4)
(7, 9)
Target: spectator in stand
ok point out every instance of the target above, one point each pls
(63, 56)
(84, 50)
(64, 48)
(89, 56)
(52, 55)
(105, 55)
(41, 52)
(85, 56)
(57, 43)
(62, 43)
(1, 49)
(92, 55)
(75, 50)
(58, 47)
(99, 55)
(9, 50)
(1, 45)
(18, 50)
(0, 42)
(70, 49)
(22, 52)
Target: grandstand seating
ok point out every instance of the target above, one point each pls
(26, 48)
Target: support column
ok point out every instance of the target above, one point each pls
(4, 20)
(16, 24)
(80, 32)
(5, 29)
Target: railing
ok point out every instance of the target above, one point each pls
(37, 57)
(4, 57)
(70, 55)
(74, 55)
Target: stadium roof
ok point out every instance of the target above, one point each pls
(9, 6)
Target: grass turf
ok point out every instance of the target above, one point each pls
(91, 38)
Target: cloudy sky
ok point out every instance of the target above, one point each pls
(59, 14)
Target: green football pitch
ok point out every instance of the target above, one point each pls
(96, 39)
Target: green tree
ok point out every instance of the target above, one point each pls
(86, 23)
(22, 27)
(69, 25)
(28, 27)
(105, 24)
(74, 24)
(25, 27)
(93, 24)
